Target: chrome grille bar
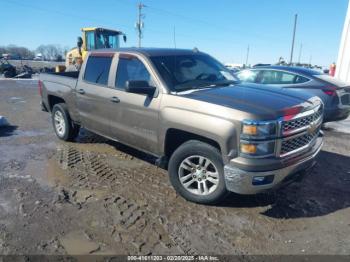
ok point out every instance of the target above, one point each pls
(299, 133)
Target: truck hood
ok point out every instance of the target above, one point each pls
(262, 102)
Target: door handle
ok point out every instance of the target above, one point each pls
(115, 99)
(81, 91)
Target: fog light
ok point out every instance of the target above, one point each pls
(262, 180)
(248, 148)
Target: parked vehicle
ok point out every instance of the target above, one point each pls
(184, 107)
(334, 93)
(6, 68)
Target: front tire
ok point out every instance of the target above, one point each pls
(196, 172)
(64, 127)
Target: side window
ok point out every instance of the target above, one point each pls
(130, 69)
(248, 76)
(90, 40)
(281, 78)
(300, 79)
(97, 69)
(270, 77)
(287, 78)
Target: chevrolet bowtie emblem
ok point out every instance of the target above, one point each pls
(312, 128)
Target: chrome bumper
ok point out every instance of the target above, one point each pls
(241, 181)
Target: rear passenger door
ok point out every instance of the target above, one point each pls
(94, 98)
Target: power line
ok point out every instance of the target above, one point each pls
(204, 22)
(72, 15)
(164, 12)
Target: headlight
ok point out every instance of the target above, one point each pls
(257, 149)
(257, 138)
(258, 129)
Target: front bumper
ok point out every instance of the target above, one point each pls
(242, 182)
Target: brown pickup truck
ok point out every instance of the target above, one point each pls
(213, 134)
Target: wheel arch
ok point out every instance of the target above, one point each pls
(53, 100)
(176, 137)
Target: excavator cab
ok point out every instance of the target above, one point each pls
(92, 38)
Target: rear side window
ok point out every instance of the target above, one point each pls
(97, 69)
(130, 69)
(281, 78)
(300, 79)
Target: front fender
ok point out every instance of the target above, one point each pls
(209, 126)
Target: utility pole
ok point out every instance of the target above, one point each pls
(139, 24)
(295, 27)
(310, 60)
(300, 50)
(174, 38)
(246, 59)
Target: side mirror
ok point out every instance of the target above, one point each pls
(124, 38)
(139, 87)
(79, 44)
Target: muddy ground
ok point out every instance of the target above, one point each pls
(99, 197)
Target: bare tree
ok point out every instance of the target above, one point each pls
(17, 51)
(51, 52)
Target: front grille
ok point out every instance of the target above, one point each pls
(297, 123)
(291, 125)
(302, 125)
(293, 144)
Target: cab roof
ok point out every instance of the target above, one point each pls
(99, 29)
(151, 51)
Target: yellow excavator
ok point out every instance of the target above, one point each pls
(92, 38)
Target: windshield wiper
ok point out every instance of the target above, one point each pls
(217, 84)
(193, 86)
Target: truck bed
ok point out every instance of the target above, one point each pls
(58, 86)
(68, 79)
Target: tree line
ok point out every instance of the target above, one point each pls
(48, 52)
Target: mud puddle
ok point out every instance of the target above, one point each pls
(78, 243)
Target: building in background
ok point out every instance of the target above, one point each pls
(343, 63)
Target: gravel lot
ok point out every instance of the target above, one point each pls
(99, 197)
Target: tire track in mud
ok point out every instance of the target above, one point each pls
(133, 222)
(144, 187)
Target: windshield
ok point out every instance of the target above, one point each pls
(107, 39)
(184, 72)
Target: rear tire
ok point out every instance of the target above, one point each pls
(64, 127)
(197, 174)
(9, 74)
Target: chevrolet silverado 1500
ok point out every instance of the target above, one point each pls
(211, 133)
